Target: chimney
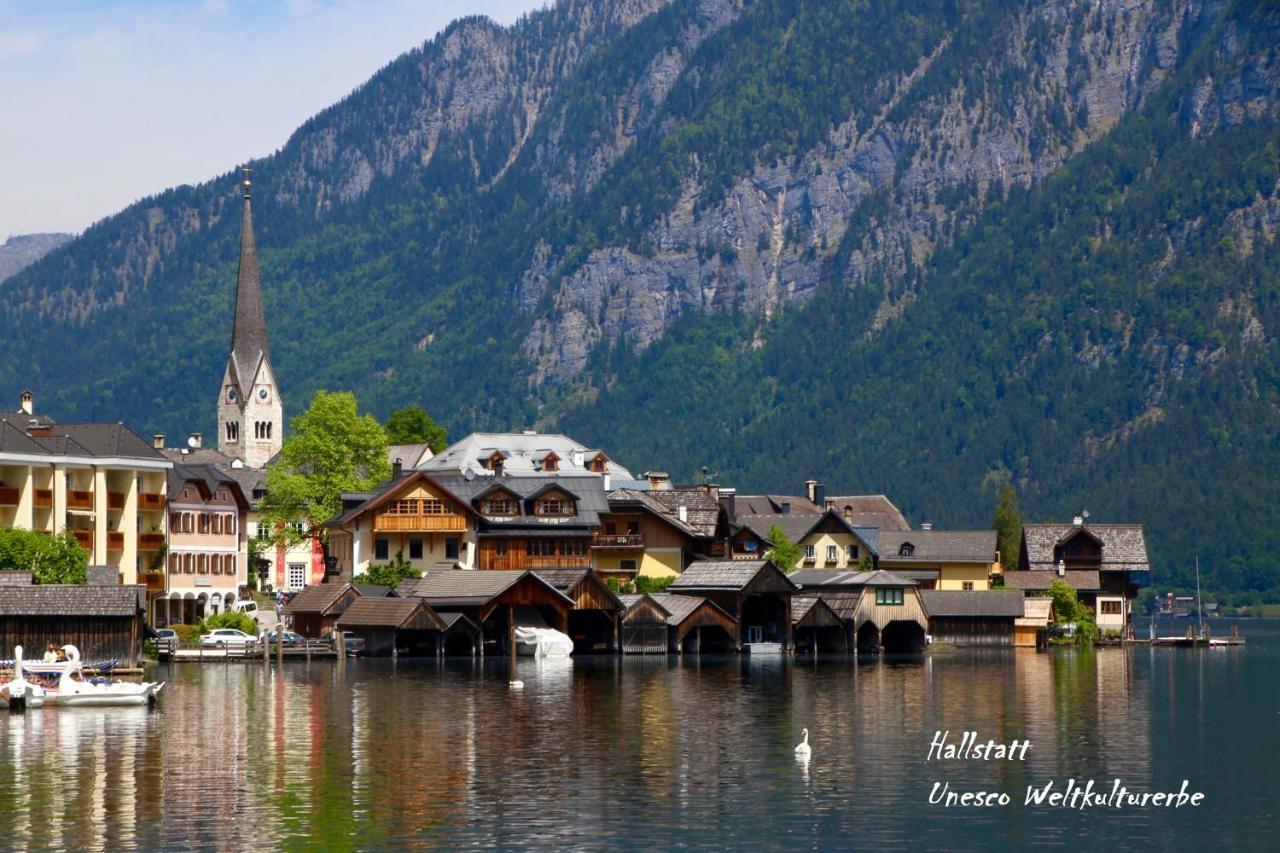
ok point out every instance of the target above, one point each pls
(928, 525)
(786, 507)
(811, 490)
(820, 495)
(729, 500)
(608, 478)
(28, 402)
(34, 427)
(157, 441)
(659, 481)
(1062, 569)
(396, 469)
(683, 512)
(1078, 521)
(195, 441)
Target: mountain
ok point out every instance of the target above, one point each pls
(917, 248)
(22, 250)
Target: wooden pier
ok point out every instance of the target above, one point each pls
(321, 649)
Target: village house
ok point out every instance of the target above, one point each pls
(756, 593)
(654, 533)
(1117, 553)
(826, 539)
(102, 483)
(941, 559)
(881, 611)
(208, 557)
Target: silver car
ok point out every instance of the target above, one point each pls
(221, 638)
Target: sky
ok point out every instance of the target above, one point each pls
(104, 103)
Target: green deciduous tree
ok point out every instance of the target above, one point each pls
(784, 554)
(1007, 523)
(390, 574)
(1067, 607)
(50, 559)
(412, 425)
(333, 449)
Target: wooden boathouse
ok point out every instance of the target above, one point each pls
(644, 625)
(756, 593)
(972, 617)
(389, 625)
(881, 611)
(104, 622)
(495, 601)
(697, 625)
(596, 618)
(817, 628)
(315, 609)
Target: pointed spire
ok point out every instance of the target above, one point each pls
(249, 335)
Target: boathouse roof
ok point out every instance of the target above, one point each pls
(812, 611)
(317, 598)
(469, 588)
(985, 602)
(72, 600)
(733, 576)
(583, 585)
(391, 613)
(681, 607)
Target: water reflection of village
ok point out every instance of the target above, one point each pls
(377, 752)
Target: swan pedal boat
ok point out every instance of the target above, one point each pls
(72, 689)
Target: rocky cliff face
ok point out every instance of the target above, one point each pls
(22, 250)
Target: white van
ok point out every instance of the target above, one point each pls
(247, 606)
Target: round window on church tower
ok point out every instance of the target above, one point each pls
(231, 395)
(263, 394)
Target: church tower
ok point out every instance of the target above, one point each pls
(250, 412)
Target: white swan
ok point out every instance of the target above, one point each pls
(516, 685)
(803, 751)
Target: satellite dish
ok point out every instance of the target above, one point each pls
(191, 442)
(468, 475)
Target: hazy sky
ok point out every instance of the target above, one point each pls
(103, 103)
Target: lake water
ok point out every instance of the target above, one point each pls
(653, 753)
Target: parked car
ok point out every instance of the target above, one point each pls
(222, 638)
(167, 640)
(352, 644)
(248, 607)
(291, 638)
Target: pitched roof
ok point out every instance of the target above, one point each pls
(797, 527)
(316, 598)
(208, 478)
(939, 546)
(1079, 580)
(803, 605)
(72, 600)
(869, 511)
(1036, 613)
(465, 588)
(101, 441)
(631, 599)
(374, 590)
(773, 505)
(649, 501)
(680, 606)
(702, 509)
(729, 575)
(249, 329)
(387, 613)
(1124, 546)
(523, 453)
(992, 602)
(409, 455)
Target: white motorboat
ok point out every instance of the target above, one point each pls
(64, 683)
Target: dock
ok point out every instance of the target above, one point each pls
(1192, 639)
(320, 649)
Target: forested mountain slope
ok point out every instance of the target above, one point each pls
(904, 247)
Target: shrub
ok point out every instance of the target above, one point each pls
(188, 635)
(231, 619)
(646, 584)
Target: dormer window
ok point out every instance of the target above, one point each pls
(550, 463)
(906, 550)
(597, 463)
(500, 506)
(555, 505)
(494, 462)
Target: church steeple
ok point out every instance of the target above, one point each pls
(249, 334)
(250, 412)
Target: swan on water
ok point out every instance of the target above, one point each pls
(516, 685)
(802, 751)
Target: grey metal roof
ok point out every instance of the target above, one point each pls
(522, 452)
(1079, 580)
(939, 546)
(102, 441)
(1124, 546)
(72, 600)
(983, 602)
(730, 575)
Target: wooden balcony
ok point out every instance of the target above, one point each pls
(79, 499)
(43, 497)
(115, 540)
(154, 581)
(115, 500)
(617, 540)
(150, 541)
(389, 523)
(519, 561)
(150, 501)
(8, 496)
(84, 538)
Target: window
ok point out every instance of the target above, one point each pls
(555, 506)
(500, 506)
(889, 595)
(627, 565)
(539, 548)
(597, 464)
(215, 524)
(494, 462)
(1110, 608)
(432, 506)
(202, 564)
(610, 529)
(573, 548)
(906, 550)
(451, 548)
(229, 524)
(297, 575)
(967, 586)
(264, 531)
(415, 549)
(810, 551)
(633, 528)
(189, 563)
(300, 527)
(233, 431)
(175, 522)
(175, 564)
(550, 462)
(853, 553)
(500, 548)
(833, 553)
(381, 550)
(204, 522)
